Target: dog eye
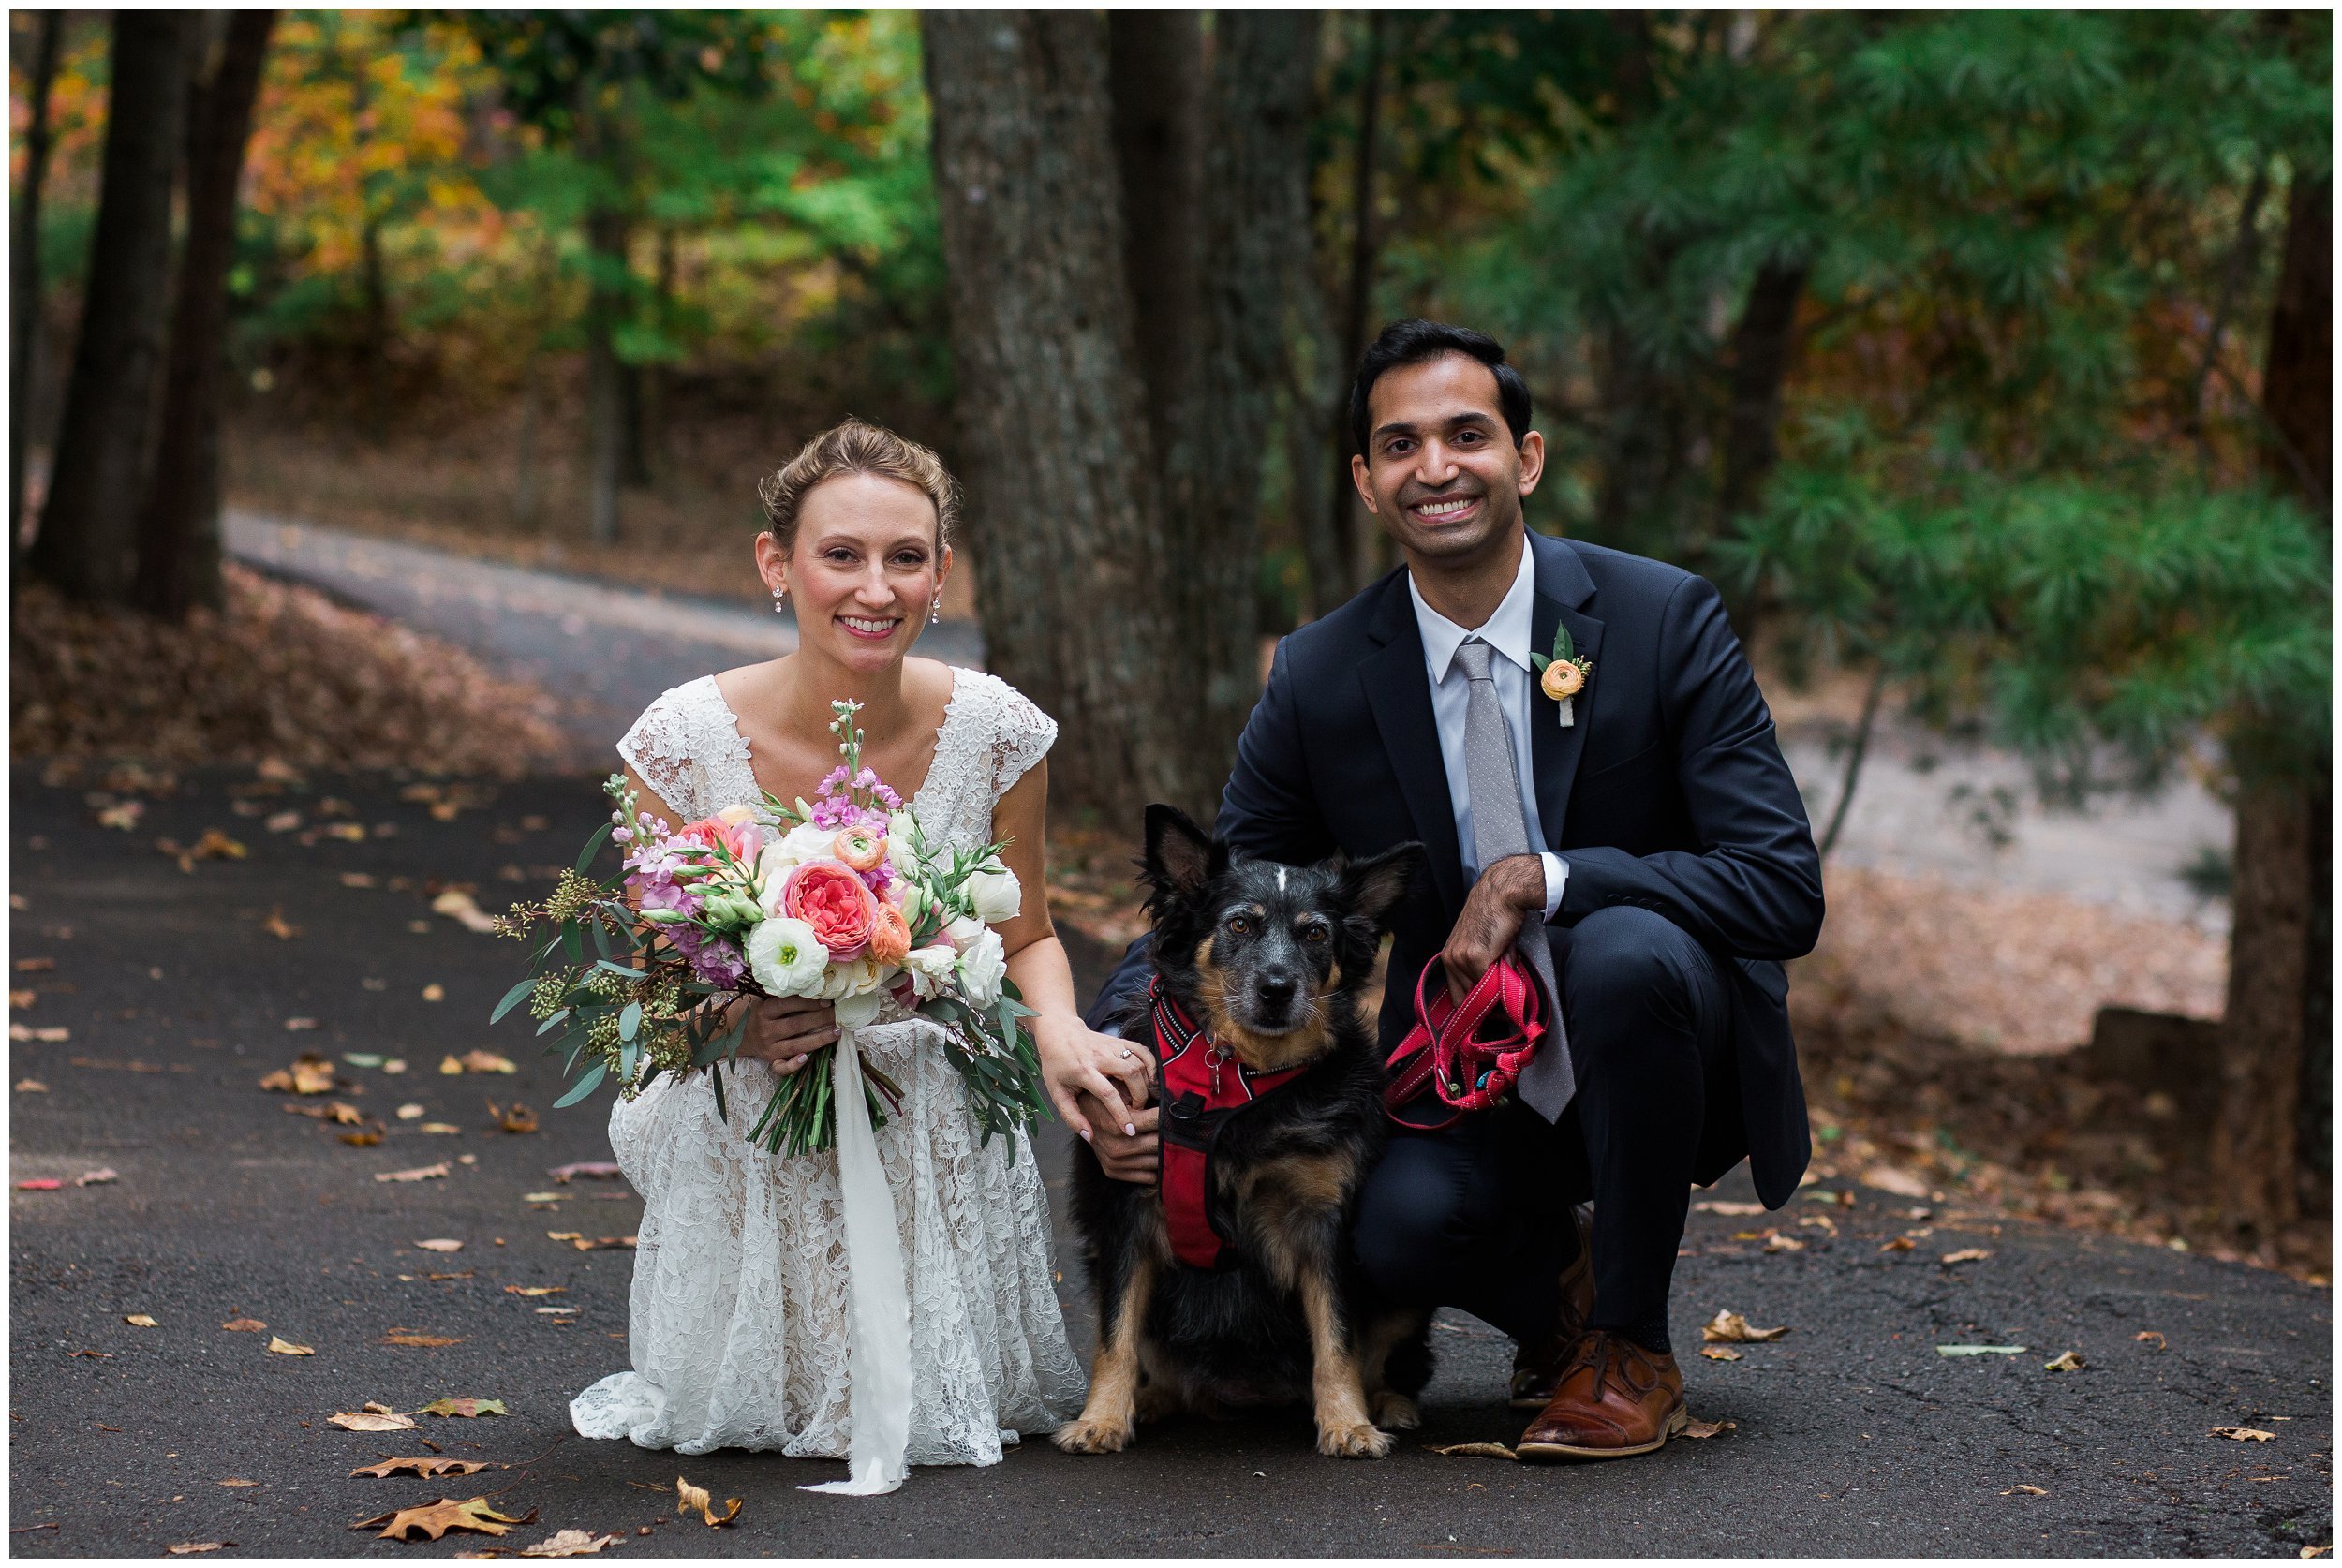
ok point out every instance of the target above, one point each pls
(1241, 925)
(1314, 933)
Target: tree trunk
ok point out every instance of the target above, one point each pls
(24, 280)
(1063, 510)
(1763, 345)
(1156, 84)
(179, 533)
(1255, 204)
(605, 377)
(89, 527)
(2277, 1073)
(1343, 513)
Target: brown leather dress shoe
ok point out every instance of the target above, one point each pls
(1616, 1398)
(1538, 1366)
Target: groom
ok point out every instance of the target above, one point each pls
(1646, 833)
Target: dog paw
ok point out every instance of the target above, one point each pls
(1396, 1413)
(1356, 1442)
(1089, 1436)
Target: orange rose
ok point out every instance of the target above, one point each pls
(1561, 679)
(890, 937)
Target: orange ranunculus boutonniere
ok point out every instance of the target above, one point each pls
(1562, 674)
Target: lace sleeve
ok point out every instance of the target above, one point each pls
(1021, 737)
(659, 750)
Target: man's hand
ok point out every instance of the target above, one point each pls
(1494, 912)
(1121, 1156)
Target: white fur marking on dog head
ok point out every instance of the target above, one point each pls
(1281, 878)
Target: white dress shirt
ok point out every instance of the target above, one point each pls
(1506, 631)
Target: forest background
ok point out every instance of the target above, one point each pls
(1984, 358)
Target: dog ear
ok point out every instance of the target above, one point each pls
(1376, 886)
(1180, 856)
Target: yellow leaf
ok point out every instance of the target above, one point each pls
(1732, 1328)
(2244, 1434)
(139, 1320)
(244, 1325)
(2069, 1362)
(1967, 1254)
(437, 1519)
(278, 1346)
(689, 1497)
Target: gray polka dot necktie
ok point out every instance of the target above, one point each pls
(1499, 827)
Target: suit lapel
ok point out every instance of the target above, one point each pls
(1563, 588)
(1399, 693)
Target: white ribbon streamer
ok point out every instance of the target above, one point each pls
(880, 1390)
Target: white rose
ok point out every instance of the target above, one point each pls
(982, 968)
(930, 969)
(995, 892)
(786, 958)
(963, 930)
(857, 978)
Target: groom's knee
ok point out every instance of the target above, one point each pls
(1628, 970)
(1412, 1223)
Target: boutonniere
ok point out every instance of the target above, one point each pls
(1563, 673)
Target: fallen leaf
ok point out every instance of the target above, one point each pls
(297, 1025)
(569, 1543)
(689, 1497)
(435, 992)
(602, 1244)
(31, 1085)
(543, 1197)
(605, 1169)
(352, 832)
(2314, 1551)
(1475, 1451)
(53, 1034)
(437, 1519)
(1695, 1428)
(356, 878)
(564, 1236)
(441, 1128)
(1720, 1206)
(464, 1274)
(238, 1481)
(424, 1465)
(421, 1172)
(190, 1548)
(2244, 1434)
(1779, 1243)
(124, 816)
(463, 1406)
(362, 1140)
(283, 822)
(40, 1184)
(1719, 1352)
(556, 1312)
(458, 905)
(276, 925)
(338, 1111)
(394, 1065)
(1887, 1179)
(24, 997)
(1981, 1350)
(1900, 1244)
(286, 1347)
(2069, 1362)
(1967, 1254)
(101, 1176)
(310, 1073)
(410, 1112)
(34, 966)
(95, 1355)
(487, 1061)
(2025, 1491)
(515, 1117)
(371, 1420)
(450, 1066)
(362, 1058)
(2149, 1336)
(441, 1244)
(536, 1290)
(139, 1320)
(419, 1341)
(1732, 1328)
(244, 1325)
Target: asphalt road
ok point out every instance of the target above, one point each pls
(1852, 1436)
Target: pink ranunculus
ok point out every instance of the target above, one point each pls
(741, 839)
(861, 849)
(890, 937)
(830, 898)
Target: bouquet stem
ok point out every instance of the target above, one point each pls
(802, 1115)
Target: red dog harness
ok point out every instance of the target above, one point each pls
(1202, 1086)
(1470, 1053)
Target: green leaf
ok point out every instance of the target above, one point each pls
(553, 1022)
(593, 846)
(572, 941)
(512, 999)
(584, 1086)
(629, 1021)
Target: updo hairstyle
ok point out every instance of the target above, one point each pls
(856, 447)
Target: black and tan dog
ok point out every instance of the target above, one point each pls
(1227, 1285)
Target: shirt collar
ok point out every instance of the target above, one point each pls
(1507, 631)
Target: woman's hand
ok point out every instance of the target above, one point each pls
(784, 1030)
(1078, 1061)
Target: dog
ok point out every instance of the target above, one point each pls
(1258, 968)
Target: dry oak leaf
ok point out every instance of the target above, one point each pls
(602, 1243)
(362, 1140)
(2069, 1362)
(463, 1406)
(310, 1073)
(54, 1034)
(442, 1244)
(189, 1548)
(340, 1112)
(515, 1117)
(238, 1481)
(1733, 1330)
(2244, 1434)
(1900, 1244)
(441, 1128)
(411, 1112)
(1694, 1427)
(277, 927)
(2028, 1491)
(31, 1085)
(2314, 1551)
(569, 1543)
(421, 1172)
(371, 1420)
(1475, 1451)
(689, 1497)
(278, 1346)
(1967, 1254)
(1776, 1242)
(419, 1341)
(437, 1519)
(244, 1325)
(487, 1061)
(2149, 1336)
(139, 1320)
(424, 1465)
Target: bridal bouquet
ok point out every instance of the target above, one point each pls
(850, 904)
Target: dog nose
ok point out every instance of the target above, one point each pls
(1276, 990)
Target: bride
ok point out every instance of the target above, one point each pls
(742, 1300)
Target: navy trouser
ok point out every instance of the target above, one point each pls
(1476, 1215)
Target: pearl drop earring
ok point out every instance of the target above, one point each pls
(779, 596)
(935, 610)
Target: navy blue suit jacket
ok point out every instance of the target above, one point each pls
(1669, 793)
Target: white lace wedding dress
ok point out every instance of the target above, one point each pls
(739, 1313)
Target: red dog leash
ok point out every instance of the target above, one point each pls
(1470, 1053)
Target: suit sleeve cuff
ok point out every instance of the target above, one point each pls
(1556, 879)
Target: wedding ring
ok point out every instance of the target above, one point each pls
(1127, 1057)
